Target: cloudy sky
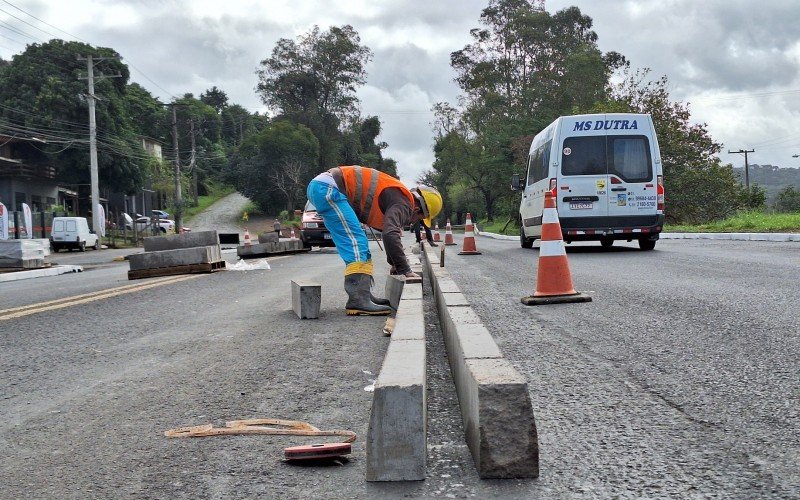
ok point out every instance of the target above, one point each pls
(736, 64)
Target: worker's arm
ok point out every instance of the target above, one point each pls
(396, 214)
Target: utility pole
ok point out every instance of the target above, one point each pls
(192, 164)
(93, 174)
(178, 200)
(746, 166)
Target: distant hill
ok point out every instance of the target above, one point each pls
(771, 178)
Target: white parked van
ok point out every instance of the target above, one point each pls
(606, 175)
(72, 232)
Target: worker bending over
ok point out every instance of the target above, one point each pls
(346, 197)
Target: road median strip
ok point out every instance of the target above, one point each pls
(494, 397)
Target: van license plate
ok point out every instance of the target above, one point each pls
(580, 205)
(326, 236)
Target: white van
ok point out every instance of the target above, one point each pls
(72, 232)
(606, 175)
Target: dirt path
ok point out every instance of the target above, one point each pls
(222, 216)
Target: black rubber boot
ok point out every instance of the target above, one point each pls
(359, 302)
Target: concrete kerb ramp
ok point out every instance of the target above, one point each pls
(397, 437)
(495, 403)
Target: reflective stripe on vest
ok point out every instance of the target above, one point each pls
(364, 206)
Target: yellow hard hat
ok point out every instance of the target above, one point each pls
(431, 203)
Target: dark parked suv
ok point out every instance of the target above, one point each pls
(313, 231)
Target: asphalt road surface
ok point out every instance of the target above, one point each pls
(680, 379)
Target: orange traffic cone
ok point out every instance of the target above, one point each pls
(292, 235)
(553, 278)
(469, 238)
(246, 237)
(448, 234)
(436, 235)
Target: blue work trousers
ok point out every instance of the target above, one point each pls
(342, 222)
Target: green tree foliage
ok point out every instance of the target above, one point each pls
(313, 82)
(273, 167)
(788, 200)
(238, 123)
(215, 98)
(359, 147)
(41, 94)
(699, 188)
(524, 68)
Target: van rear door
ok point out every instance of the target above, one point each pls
(632, 185)
(71, 230)
(583, 185)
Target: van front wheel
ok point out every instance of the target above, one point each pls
(647, 244)
(523, 241)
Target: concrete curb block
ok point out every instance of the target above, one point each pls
(37, 273)
(267, 249)
(496, 409)
(397, 437)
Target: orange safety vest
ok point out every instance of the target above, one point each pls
(364, 186)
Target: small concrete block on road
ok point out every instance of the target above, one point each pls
(393, 289)
(396, 439)
(454, 299)
(175, 258)
(182, 240)
(306, 299)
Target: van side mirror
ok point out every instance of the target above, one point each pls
(517, 183)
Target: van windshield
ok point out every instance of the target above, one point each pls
(627, 157)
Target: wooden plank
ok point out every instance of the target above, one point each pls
(174, 270)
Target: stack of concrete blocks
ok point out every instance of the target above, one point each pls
(397, 435)
(188, 252)
(306, 299)
(494, 397)
(24, 254)
(269, 244)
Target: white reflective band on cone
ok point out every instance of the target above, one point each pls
(550, 216)
(552, 248)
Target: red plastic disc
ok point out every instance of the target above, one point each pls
(315, 451)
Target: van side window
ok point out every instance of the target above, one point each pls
(584, 156)
(531, 169)
(58, 225)
(71, 226)
(629, 158)
(544, 163)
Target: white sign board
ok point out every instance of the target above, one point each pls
(3, 222)
(101, 212)
(26, 211)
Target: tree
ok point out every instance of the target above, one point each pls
(313, 82)
(272, 167)
(41, 95)
(699, 188)
(215, 98)
(788, 200)
(523, 68)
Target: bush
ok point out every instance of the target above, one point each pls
(788, 200)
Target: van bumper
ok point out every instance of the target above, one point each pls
(616, 228)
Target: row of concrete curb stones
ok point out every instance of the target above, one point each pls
(777, 237)
(494, 398)
(396, 441)
(37, 273)
(177, 254)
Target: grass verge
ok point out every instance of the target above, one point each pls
(744, 222)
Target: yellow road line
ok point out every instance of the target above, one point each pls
(100, 292)
(89, 297)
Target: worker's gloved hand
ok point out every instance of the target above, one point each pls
(412, 274)
(393, 270)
